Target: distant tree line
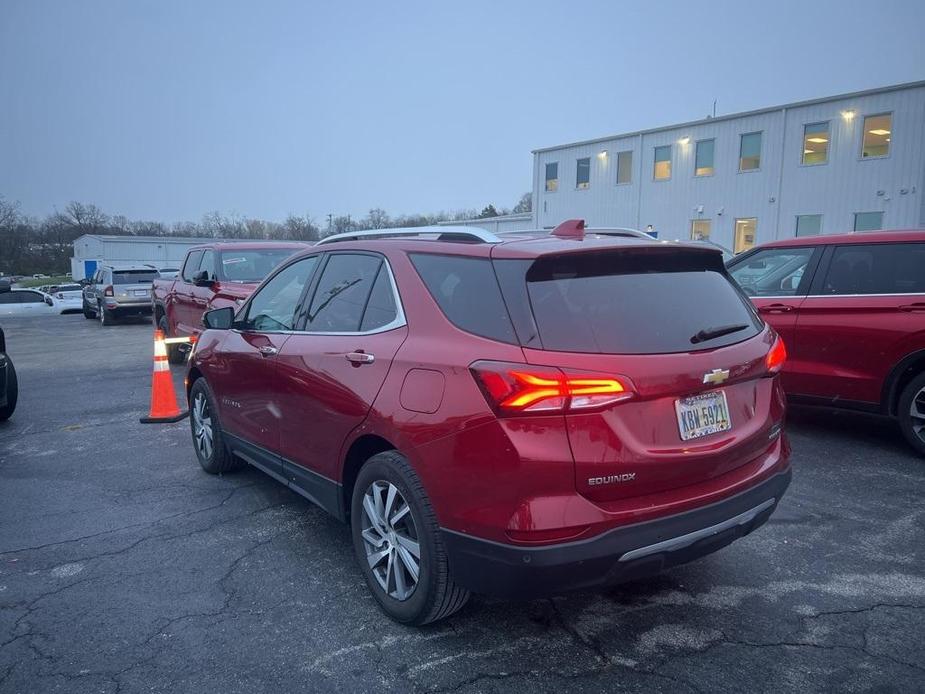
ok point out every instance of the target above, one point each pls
(30, 245)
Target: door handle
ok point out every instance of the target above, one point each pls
(267, 351)
(918, 306)
(776, 308)
(360, 358)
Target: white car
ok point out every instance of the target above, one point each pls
(68, 297)
(27, 302)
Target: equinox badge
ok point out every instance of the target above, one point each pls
(716, 376)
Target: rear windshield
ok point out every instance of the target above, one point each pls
(632, 303)
(251, 265)
(134, 276)
(69, 288)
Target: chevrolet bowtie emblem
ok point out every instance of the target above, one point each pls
(716, 376)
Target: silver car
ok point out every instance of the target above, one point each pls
(117, 292)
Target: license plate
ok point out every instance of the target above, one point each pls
(141, 292)
(702, 415)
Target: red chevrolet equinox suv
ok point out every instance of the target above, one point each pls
(516, 415)
(851, 308)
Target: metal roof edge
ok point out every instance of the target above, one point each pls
(740, 114)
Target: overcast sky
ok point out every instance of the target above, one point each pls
(167, 109)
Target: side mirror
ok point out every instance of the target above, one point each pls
(219, 318)
(201, 279)
(49, 301)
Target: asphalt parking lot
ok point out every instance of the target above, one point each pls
(125, 568)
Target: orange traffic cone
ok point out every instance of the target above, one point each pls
(163, 401)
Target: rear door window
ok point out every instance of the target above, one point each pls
(380, 307)
(637, 303)
(342, 293)
(467, 292)
(884, 268)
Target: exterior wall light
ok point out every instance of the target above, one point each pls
(602, 154)
(685, 140)
(848, 115)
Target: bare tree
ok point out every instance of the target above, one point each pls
(297, 228)
(377, 219)
(525, 204)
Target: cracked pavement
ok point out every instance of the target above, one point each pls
(125, 568)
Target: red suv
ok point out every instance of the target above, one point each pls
(516, 415)
(851, 308)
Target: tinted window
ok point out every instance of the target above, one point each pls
(467, 292)
(208, 264)
(772, 272)
(274, 305)
(340, 297)
(380, 308)
(134, 276)
(251, 265)
(30, 297)
(624, 303)
(9, 298)
(191, 265)
(877, 269)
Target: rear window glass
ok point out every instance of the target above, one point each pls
(467, 292)
(134, 276)
(636, 304)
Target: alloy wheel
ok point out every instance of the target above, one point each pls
(391, 540)
(917, 412)
(202, 426)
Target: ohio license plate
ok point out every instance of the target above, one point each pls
(141, 292)
(702, 415)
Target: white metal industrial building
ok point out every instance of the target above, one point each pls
(91, 250)
(849, 162)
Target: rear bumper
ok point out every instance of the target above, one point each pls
(129, 309)
(623, 554)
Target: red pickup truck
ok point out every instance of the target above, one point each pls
(214, 275)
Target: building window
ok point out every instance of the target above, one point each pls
(552, 177)
(624, 167)
(868, 221)
(877, 133)
(809, 224)
(750, 152)
(703, 158)
(583, 174)
(662, 171)
(700, 229)
(815, 143)
(746, 229)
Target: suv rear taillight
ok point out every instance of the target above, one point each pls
(108, 291)
(516, 389)
(776, 356)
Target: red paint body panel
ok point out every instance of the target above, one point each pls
(844, 349)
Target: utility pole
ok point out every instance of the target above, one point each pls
(330, 222)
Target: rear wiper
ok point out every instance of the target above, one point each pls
(710, 333)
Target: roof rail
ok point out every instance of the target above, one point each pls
(461, 234)
(619, 231)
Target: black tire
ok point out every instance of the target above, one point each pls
(106, 316)
(435, 596)
(12, 392)
(88, 312)
(219, 459)
(174, 355)
(913, 393)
